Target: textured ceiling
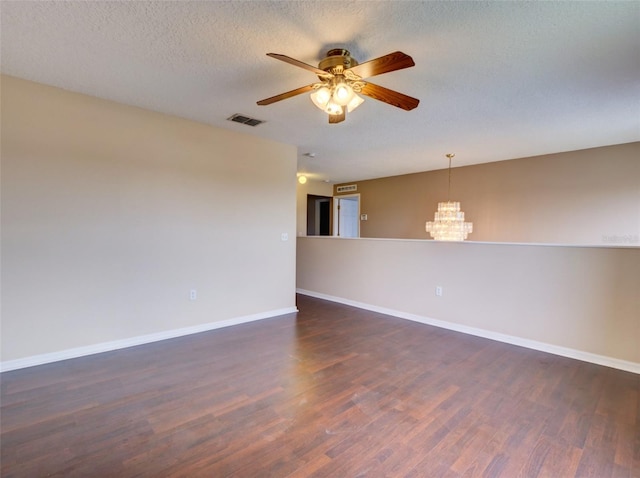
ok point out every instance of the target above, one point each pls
(496, 80)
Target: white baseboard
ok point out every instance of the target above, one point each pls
(133, 341)
(487, 334)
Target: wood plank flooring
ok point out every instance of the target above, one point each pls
(333, 391)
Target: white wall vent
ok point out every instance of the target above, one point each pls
(347, 189)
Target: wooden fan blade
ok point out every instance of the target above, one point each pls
(391, 62)
(391, 97)
(288, 94)
(333, 119)
(294, 62)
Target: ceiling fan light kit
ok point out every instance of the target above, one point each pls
(333, 98)
(341, 82)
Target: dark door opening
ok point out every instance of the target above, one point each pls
(319, 210)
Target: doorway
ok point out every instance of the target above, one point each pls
(319, 215)
(347, 214)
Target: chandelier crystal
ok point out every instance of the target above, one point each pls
(448, 223)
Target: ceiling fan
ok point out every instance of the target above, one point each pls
(342, 78)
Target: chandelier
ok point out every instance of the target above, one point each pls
(448, 224)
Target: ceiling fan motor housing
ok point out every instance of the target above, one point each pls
(337, 57)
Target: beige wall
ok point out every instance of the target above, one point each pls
(585, 299)
(588, 197)
(317, 188)
(111, 214)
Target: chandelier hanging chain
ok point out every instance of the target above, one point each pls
(450, 155)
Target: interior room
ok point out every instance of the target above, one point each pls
(295, 239)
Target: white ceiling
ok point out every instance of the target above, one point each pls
(496, 80)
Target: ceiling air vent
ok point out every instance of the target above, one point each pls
(245, 120)
(347, 189)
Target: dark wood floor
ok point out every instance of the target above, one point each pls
(333, 392)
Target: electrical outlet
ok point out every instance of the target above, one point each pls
(439, 291)
(193, 294)
(284, 236)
